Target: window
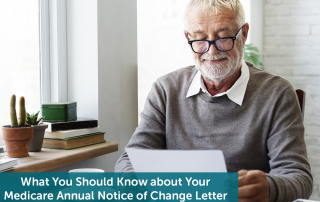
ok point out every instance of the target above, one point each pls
(160, 21)
(19, 56)
(162, 47)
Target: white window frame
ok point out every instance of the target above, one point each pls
(255, 19)
(44, 51)
(53, 51)
(256, 24)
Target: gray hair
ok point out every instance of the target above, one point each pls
(216, 5)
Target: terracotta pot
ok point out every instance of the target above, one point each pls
(17, 140)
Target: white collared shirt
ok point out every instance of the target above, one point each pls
(235, 93)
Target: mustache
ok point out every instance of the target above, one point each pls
(219, 56)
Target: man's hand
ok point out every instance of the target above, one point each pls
(253, 186)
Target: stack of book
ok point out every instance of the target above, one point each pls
(7, 163)
(72, 134)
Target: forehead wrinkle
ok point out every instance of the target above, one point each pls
(200, 31)
(197, 31)
(198, 25)
(200, 21)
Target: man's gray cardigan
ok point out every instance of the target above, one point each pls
(265, 133)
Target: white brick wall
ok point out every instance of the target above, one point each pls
(292, 50)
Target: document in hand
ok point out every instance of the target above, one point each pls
(144, 160)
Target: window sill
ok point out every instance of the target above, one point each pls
(49, 159)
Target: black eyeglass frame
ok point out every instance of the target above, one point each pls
(214, 42)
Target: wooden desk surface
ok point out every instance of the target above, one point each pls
(49, 159)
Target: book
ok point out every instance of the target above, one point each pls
(71, 133)
(73, 142)
(6, 163)
(80, 123)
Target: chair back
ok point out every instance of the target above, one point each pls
(301, 97)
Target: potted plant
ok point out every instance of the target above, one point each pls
(18, 135)
(38, 131)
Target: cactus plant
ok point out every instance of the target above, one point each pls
(18, 135)
(13, 115)
(22, 112)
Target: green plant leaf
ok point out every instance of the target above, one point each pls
(33, 119)
(36, 115)
(252, 54)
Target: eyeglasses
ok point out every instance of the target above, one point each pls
(222, 44)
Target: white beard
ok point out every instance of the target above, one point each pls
(220, 71)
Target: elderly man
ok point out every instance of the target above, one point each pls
(225, 103)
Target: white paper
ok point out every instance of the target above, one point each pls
(144, 160)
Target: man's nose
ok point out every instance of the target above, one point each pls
(213, 50)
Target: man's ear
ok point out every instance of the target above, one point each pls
(186, 34)
(245, 32)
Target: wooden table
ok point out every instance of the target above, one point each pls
(49, 159)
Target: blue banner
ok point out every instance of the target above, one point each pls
(119, 187)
